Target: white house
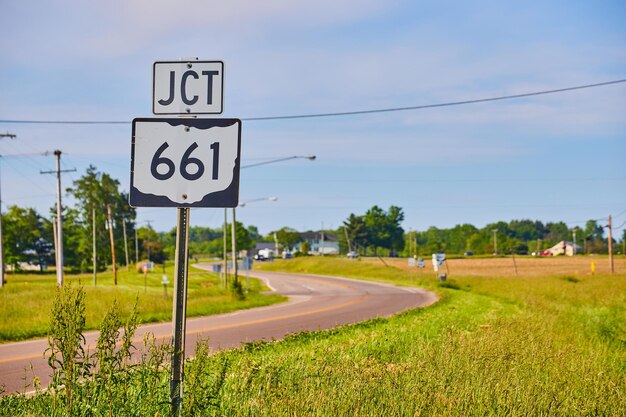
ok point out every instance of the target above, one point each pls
(320, 243)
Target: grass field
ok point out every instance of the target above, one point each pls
(26, 300)
(495, 345)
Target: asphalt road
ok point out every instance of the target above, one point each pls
(315, 302)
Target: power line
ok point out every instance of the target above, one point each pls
(620, 213)
(430, 106)
(435, 180)
(345, 113)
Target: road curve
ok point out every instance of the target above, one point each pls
(315, 302)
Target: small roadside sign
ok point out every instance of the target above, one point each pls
(188, 87)
(185, 162)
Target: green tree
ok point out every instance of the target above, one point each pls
(557, 232)
(288, 238)
(383, 228)
(356, 231)
(27, 237)
(244, 242)
(95, 192)
(150, 245)
(527, 230)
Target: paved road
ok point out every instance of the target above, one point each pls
(315, 302)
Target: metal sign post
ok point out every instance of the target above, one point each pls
(184, 162)
(179, 310)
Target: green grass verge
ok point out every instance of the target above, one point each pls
(500, 346)
(26, 300)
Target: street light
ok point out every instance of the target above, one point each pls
(243, 204)
(234, 234)
(309, 157)
(234, 243)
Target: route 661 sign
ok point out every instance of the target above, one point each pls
(185, 162)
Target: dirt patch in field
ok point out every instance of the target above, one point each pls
(520, 265)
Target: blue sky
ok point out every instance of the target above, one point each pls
(549, 158)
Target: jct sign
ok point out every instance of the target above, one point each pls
(185, 162)
(188, 87)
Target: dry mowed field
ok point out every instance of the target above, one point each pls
(518, 265)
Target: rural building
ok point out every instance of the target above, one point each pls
(320, 243)
(565, 247)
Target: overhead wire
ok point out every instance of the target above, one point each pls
(344, 113)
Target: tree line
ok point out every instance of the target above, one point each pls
(28, 236)
(378, 231)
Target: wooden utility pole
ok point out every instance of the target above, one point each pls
(125, 243)
(225, 267)
(495, 241)
(112, 244)
(94, 258)
(59, 238)
(610, 236)
(345, 231)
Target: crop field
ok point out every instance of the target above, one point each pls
(579, 266)
(494, 345)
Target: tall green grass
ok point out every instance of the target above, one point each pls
(26, 300)
(499, 346)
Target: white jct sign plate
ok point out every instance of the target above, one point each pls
(188, 87)
(185, 162)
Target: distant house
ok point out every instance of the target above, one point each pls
(565, 247)
(320, 243)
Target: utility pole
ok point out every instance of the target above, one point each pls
(93, 233)
(59, 238)
(495, 241)
(148, 248)
(112, 244)
(10, 136)
(610, 227)
(225, 249)
(125, 243)
(345, 231)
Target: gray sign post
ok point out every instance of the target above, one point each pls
(179, 309)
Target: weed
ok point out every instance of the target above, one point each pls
(67, 357)
(237, 291)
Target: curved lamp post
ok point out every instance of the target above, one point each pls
(234, 244)
(233, 230)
